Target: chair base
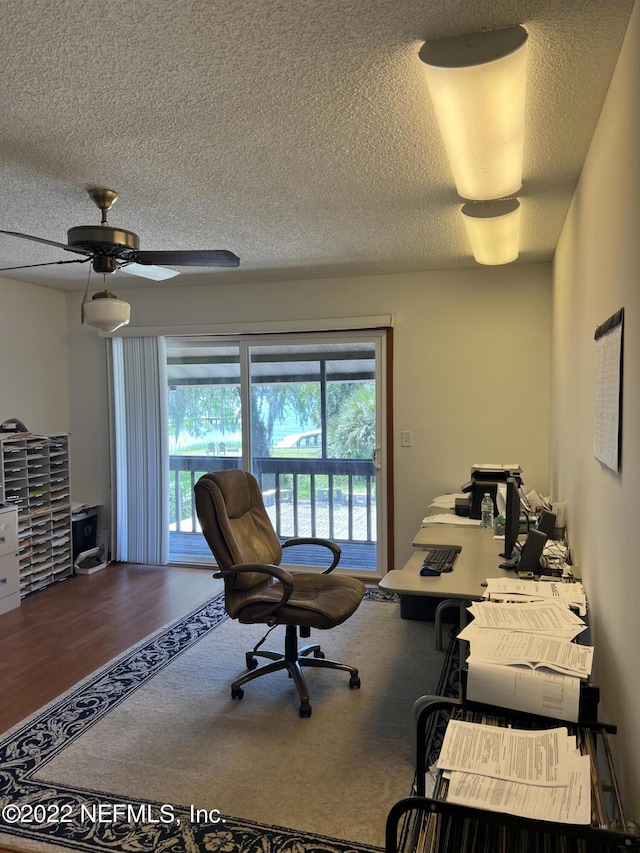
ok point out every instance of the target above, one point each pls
(292, 660)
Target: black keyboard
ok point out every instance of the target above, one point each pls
(441, 559)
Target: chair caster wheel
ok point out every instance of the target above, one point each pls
(354, 682)
(305, 710)
(238, 693)
(319, 654)
(252, 662)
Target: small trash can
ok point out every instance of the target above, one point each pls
(84, 531)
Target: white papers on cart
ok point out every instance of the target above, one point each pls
(561, 804)
(541, 617)
(570, 594)
(535, 774)
(536, 691)
(539, 757)
(492, 645)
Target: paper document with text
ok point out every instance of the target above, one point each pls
(539, 757)
(569, 803)
(536, 691)
(492, 645)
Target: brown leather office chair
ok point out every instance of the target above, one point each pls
(238, 529)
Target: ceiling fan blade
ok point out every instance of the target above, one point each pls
(47, 242)
(204, 258)
(151, 271)
(48, 264)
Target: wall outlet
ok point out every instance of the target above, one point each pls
(406, 438)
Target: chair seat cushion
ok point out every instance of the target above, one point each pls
(317, 601)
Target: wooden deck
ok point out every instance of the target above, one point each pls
(347, 527)
(192, 547)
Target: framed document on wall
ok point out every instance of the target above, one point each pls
(608, 391)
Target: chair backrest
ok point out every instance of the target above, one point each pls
(235, 523)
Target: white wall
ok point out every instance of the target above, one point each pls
(471, 368)
(33, 357)
(595, 274)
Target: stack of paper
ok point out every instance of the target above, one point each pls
(513, 589)
(447, 501)
(540, 617)
(450, 518)
(535, 774)
(522, 648)
(521, 655)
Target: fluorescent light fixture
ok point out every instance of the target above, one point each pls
(477, 86)
(106, 312)
(493, 228)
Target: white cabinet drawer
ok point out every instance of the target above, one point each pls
(8, 531)
(9, 575)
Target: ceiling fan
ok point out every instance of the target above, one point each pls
(110, 249)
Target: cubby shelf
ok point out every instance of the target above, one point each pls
(34, 478)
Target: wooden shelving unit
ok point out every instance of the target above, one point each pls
(34, 477)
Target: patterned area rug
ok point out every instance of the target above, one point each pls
(39, 815)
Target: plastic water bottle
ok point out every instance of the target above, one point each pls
(486, 511)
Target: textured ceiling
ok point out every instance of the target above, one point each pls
(298, 134)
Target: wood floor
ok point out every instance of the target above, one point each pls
(63, 633)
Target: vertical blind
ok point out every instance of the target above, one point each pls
(141, 469)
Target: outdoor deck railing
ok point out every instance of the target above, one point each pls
(335, 498)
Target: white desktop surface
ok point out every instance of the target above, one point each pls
(477, 561)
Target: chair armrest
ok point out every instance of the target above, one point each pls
(336, 550)
(285, 578)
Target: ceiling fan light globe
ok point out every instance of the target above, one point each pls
(106, 312)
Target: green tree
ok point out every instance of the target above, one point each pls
(352, 431)
(197, 409)
(271, 403)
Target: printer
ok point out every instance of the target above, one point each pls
(485, 478)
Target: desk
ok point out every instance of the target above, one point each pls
(477, 561)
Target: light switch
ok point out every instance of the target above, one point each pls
(406, 438)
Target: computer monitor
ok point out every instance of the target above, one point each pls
(511, 519)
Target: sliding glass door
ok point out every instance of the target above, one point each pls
(305, 414)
